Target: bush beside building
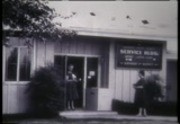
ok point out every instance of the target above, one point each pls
(154, 108)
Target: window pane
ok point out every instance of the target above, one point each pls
(59, 63)
(92, 72)
(25, 57)
(11, 64)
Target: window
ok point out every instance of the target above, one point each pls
(11, 64)
(24, 64)
(92, 72)
(59, 62)
(18, 63)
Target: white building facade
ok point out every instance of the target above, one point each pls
(101, 27)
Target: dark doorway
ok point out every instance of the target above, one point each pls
(88, 79)
(92, 72)
(78, 63)
(62, 62)
(171, 94)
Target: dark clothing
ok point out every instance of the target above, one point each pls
(71, 88)
(140, 94)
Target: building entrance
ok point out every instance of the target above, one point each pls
(78, 63)
(86, 71)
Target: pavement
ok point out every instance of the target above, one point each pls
(110, 115)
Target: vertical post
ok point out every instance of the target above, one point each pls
(18, 64)
(164, 67)
(111, 67)
(99, 73)
(34, 54)
(65, 72)
(4, 63)
(84, 82)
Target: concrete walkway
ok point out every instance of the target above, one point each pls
(111, 115)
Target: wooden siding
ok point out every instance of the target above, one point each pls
(81, 46)
(5, 99)
(40, 54)
(122, 80)
(86, 46)
(44, 53)
(49, 52)
(119, 81)
(15, 100)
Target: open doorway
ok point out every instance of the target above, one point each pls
(62, 62)
(78, 63)
(86, 71)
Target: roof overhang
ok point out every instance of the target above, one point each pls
(119, 35)
(119, 19)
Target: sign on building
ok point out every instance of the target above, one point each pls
(139, 55)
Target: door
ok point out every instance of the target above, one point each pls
(92, 72)
(86, 70)
(172, 80)
(92, 77)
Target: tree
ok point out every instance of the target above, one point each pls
(32, 19)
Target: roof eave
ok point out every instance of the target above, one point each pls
(110, 34)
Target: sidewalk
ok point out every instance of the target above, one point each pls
(112, 116)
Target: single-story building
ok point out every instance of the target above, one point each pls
(114, 40)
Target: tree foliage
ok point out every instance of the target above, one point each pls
(33, 19)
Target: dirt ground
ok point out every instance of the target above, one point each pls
(90, 121)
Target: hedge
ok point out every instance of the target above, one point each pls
(153, 108)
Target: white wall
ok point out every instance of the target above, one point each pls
(14, 95)
(122, 80)
(172, 46)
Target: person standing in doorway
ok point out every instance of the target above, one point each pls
(140, 97)
(71, 88)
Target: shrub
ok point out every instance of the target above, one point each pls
(154, 108)
(162, 108)
(46, 91)
(154, 87)
(124, 107)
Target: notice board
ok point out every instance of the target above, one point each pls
(138, 55)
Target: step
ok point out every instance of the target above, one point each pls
(84, 114)
(87, 114)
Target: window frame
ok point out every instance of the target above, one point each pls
(85, 56)
(17, 81)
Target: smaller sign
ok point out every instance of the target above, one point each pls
(139, 55)
(92, 73)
